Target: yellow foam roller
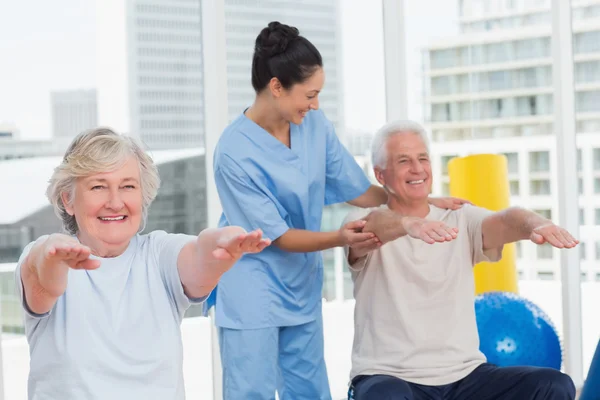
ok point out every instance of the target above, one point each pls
(483, 180)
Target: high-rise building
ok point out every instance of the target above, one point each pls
(73, 111)
(149, 70)
(490, 90)
(150, 62)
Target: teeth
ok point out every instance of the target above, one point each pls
(112, 219)
(415, 182)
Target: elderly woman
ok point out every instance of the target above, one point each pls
(104, 303)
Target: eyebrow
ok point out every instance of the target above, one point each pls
(407, 156)
(102, 180)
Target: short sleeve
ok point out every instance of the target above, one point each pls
(474, 217)
(20, 290)
(166, 248)
(345, 179)
(358, 265)
(244, 203)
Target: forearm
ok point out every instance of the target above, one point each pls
(302, 241)
(199, 269)
(388, 225)
(521, 223)
(387, 229)
(509, 226)
(373, 197)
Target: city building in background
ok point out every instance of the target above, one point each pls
(73, 111)
(13, 146)
(150, 70)
(489, 90)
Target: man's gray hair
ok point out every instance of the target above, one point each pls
(379, 144)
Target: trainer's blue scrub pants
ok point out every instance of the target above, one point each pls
(289, 359)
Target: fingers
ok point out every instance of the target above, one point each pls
(555, 236)
(251, 242)
(462, 201)
(88, 264)
(367, 245)
(68, 251)
(438, 233)
(568, 239)
(355, 238)
(355, 225)
(446, 232)
(426, 237)
(455, 204)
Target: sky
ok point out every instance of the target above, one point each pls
(53, 48)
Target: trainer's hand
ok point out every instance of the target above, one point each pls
(351, 234)
(448, 203)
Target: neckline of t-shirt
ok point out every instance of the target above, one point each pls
(433, 210)
(130, 248)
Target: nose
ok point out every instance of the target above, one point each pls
(115, 202)
(416, 166)
(314, 105)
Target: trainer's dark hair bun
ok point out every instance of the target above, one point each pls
(274, 39)
(280, 51)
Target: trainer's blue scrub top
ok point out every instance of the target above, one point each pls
(264, 184)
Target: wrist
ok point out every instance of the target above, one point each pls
(339, 240)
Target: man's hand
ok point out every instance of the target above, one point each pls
(428, 231)
(448, 203)
(235, 242)
(555, 235)
(388, 225)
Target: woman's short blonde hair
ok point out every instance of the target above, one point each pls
(96, 151)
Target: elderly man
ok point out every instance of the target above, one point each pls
(415, 329)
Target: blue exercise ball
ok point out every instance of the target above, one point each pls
(514, 331)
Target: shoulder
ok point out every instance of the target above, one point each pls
(467, 213)
(471, 212)
(160, 241)
(230, 138)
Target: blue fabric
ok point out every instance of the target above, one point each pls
(115, 332)
(486, 382)
(256, 362)
(264, 184)
(591, 387)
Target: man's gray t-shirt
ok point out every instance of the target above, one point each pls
(414, 317)
(115, 332)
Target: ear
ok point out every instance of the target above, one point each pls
(275, 87)
(67, 203)
(379, 175)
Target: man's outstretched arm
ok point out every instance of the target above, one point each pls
(516, 223)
